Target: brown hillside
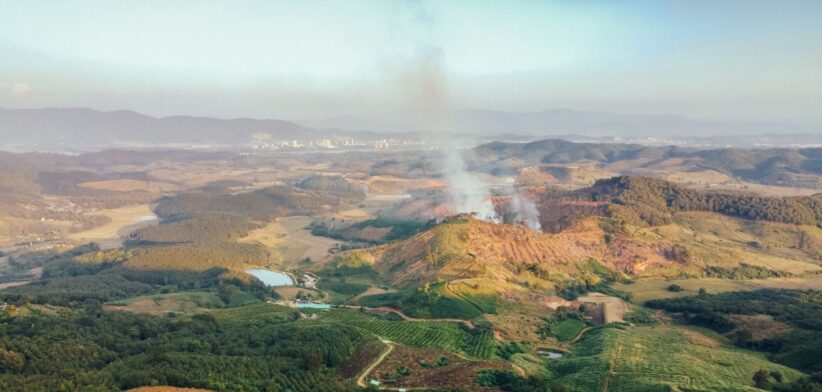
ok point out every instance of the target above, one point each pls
(468, 248)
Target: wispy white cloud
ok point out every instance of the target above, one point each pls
(18, 89)
(14, 89)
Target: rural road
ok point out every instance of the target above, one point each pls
(361, 380)
(580, 334)
(406, 317)
(371, 291)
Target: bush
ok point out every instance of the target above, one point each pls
(508, 381)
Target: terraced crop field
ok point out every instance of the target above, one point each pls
(434, 334)
(481, 345)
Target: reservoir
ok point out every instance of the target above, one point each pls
(271, 278)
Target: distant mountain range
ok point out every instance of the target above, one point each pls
(574, 122)
(77, 126)
(87, 127)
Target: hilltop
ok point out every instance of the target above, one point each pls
(621, 228)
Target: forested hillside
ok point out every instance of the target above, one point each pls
(653, 202)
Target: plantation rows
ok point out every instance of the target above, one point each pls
(657, 358)
(434, 334)
(303, 382)
(481, 345)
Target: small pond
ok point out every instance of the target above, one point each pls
(271, 278)
(549, 354)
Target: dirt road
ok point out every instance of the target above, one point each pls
(361, 380)
(406, 317)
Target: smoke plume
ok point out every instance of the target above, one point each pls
(424, 83)
(524, 211)
(467, 192)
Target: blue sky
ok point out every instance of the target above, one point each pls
(312, 59)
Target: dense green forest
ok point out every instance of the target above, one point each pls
(92, 350)
(61, 340)
(91, 278)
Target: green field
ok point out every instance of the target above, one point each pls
(257, 313)
(567, 330)
(659, 359)
(429, 334)
(432, 301)
(339, 292)
(203, 299)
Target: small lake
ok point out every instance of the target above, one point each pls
(549, 354)
(145, 218)
(271, 278)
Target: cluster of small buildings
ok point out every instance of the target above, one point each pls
(309, 280)
(338, 143)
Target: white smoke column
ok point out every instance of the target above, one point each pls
(525, 211)
(466, 191)
(423, 84)
(522, 209)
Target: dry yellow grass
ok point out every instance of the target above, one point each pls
(765, 190)
(394, 185)
(694, 178)
(194, 175)
(270, 235)
(127, 185)
(355, 214)
(291, 292)
(123, 221)
(290, 241)
(714, 239)
(274, 236)
(154, 307)
(714, 180)
(161, 304)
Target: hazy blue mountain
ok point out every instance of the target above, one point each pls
(87, 126)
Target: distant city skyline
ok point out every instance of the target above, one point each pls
(746, 60)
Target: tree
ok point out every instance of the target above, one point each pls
(743, 336)
(702, 291)
(674, 288)
(10, 360)
(761, 379)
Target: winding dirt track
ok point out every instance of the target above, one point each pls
(406, 317)
(361, 379)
